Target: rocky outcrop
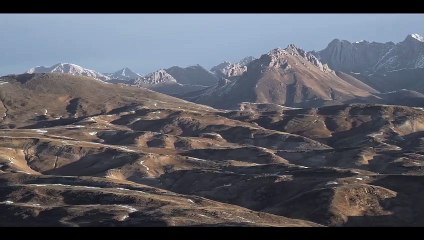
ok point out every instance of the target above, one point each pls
(228, 70)
(157, 77)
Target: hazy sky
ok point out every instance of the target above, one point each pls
(147, 42)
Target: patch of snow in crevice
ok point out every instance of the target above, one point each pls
(225, 185)
(383, 57)
(228, 215)
(418, 37)
(123, 149)
(57, 136)
(129, 208)
(302, 166)
(142, 164)
(123, 218)
(420, 62)
(377, 134)
(61, 185)
(33, 204)
(244, 219)
(89, 187)
(7, 202)
(196, 159)
(126, 189)
(332, 183)
(204, 215)
(40, 130)
(360, 41)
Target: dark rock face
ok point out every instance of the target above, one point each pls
(193, 75)
(368, 57)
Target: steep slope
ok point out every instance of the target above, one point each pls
(411, 79)
(356, 82)
(69, 68)
(123, 75)
(355, 57)
(163, 82)
(193, 75)
(289, 77)
(366, 57)
(408, 54)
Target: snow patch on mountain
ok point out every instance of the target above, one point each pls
(420, 62)
(369, 57)
(417, 37)
(69, 68)
(125, 74)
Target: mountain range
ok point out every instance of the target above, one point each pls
(343, 72)
(371, 57)
(71, 69)
(289, 139)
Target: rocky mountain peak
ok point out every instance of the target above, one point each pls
(245, 61)
(278, 58)
(227, 69)
(361, 42)
(293, 50)
(158, 77)
(124, 74)
(415, 37)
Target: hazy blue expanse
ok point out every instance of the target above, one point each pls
(147, 42)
